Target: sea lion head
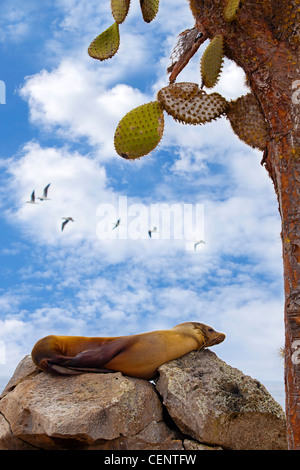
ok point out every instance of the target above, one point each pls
(211, 337)
(205, 334)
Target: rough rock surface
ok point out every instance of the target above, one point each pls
(103, 411)
(217, 404)
(207, 405)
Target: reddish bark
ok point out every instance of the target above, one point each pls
(264, 41)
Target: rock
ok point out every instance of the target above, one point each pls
(7, 440)
(207, 405)
(219, 405)
(193, 445)
(24, 369)
(105, 411)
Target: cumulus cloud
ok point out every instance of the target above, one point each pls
(15, 21)
(77, 186)
(73, 100)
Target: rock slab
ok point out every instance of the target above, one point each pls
(217, 404)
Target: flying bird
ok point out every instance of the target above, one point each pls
(198, 243)
(117, 223)
(66, 220)
(150, 231)
(32, 199)
(45, 194)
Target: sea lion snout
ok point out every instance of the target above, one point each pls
(216, 340)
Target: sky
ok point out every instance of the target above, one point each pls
(59, 112)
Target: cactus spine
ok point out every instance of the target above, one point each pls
(186, 103)
(248, 122)
(211, 62)
(231, 9)
(106, 44)
(139, 131)
(119, 9)
(149, 9)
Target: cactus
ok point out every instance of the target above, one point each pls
(139, 131)
(186, 103)
(149, 9)
(211, 62)
(106, 44)
(285, 21)
(231, 9)
(119, 9)
(248, 122)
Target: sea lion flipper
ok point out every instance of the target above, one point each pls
(62, 370)
(97, 357)
(76, 370)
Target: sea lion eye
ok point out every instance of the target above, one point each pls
(210, 330)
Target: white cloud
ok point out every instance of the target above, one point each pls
(81, 97)
(73, 99)
(15, 21)
(81, 15)
(8, 303)
(232, 82)
(85, 98)
(78, 185)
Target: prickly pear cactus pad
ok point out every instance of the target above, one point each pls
(186, 103)
(106, 44)
(119, 9)
(139, 131)
(149, 9)
(248, 122)
(231, 9)
(211, 62)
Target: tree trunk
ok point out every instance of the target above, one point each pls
(263, 39)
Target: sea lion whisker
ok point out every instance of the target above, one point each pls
(202, 346)
(211, 342)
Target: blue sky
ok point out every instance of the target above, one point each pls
(57, 126)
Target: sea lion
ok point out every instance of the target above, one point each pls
(138, 355)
